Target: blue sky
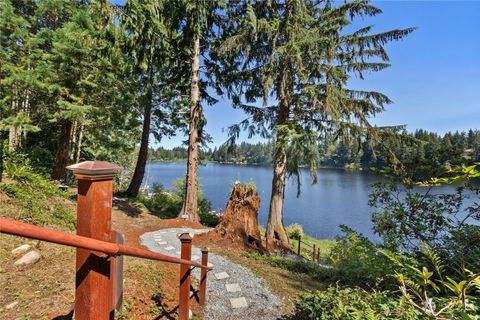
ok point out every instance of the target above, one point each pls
(434, 79)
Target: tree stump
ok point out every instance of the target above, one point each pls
(240, 221)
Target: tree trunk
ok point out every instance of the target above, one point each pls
(14, 133)
(275, 228)
(138, 174)
(79, 145)
(190, 202)
(3, 137)
(60, 171)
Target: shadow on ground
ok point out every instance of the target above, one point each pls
(125, 206)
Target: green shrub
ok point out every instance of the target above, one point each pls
(309, 268)
(209, 219)
(357, 261)
(295, 231)
(37, 205)
(352, 304)
(163, 203)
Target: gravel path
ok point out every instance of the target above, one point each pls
(233, 291)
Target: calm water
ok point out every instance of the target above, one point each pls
(339, 197)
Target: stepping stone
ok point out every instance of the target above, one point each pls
(233, 287)
(162, 242)
(157, 238)
(210, 265)
(221, 275)
(239, 303)
(169, 248)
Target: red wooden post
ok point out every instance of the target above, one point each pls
(117, 273)
(299, 241)
(94, 291)
(203, 277)
(314, 253)
(184, 297)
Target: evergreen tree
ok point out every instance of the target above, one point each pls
(299, 53)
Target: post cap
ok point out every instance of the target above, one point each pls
(205, 249)
(185, 236)
(94, 168)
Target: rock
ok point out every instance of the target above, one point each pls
(11, 305)
(21, 250)
(28, 259)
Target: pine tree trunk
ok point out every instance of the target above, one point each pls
(190, 203)
(3, 137)
(79, 145)
(138, 174)
(60, 171)
(14, 133)
(275, 228)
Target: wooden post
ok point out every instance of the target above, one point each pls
(184, 296)
(314, 253)
(318, 255)
(117, 273)
(203, 277)
(94, 288)
(299, 241)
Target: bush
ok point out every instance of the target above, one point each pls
(309, 268)
(165, 204)
(209, 219)
(40, 200)
(357, 261)
(351, 304)
(295, 231)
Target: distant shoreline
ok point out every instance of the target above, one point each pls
(255, 164)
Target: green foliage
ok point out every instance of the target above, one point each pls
(167, 204)
(356, 261)
(294, 231)
(209, 219)
(41, 202)
(433, 292)
(405, 217)
(308, 268)
(337, 303)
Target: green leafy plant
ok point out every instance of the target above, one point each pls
(295, 231)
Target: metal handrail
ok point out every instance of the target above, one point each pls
(13, 227)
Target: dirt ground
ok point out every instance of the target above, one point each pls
(45, 290)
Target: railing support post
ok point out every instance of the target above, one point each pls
(299, 241)
(203, 277)
(184, 296)
(314, 253)
(318, 255)
(94, 288)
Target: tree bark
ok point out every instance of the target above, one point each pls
(138, 174)
(3, 137)
(190, 202)
(60, 171)
(79, 145)
(275, 228)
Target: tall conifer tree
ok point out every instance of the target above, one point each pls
(299, 54)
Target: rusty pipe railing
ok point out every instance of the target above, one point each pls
(30, 231)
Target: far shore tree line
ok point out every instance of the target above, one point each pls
(92, 80)
(432, 150)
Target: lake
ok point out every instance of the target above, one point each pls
(339, 197)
